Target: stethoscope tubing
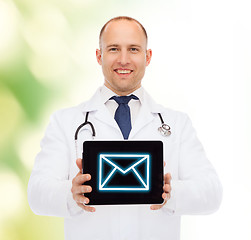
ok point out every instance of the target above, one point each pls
(86, 122)
(164, 129)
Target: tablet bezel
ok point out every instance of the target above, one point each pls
(91, 151)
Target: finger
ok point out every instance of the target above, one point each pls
(86, 208)
(166, 196)
(157, 206)
(167, 178)
(81, 189)
(167, 188)
(81, 199)
(164, 163)
(81, 178)
(79, 164)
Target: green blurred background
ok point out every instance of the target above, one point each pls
(47, 50)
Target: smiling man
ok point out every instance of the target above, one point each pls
(122, 109)
(123, 55)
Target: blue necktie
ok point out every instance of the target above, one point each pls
(123, 115)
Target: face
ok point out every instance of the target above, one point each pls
(123, 56)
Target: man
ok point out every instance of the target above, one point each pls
(56, 186)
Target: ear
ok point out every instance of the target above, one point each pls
(98, 56)
(148, 56)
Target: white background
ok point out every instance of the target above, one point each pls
(201, 66)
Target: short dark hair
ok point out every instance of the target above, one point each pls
(117, 19)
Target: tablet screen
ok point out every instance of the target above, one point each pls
(124, 172)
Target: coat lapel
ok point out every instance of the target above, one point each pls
(146, 114)
(144, 117)
(100, 111)
(105, 116)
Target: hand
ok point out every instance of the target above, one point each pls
(167, 191)
(78, 189)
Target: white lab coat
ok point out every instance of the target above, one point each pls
(196, 188)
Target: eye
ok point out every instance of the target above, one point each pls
(134, 50)
(113, 49)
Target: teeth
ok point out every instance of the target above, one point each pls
(123, 71)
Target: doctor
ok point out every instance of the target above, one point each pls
(56, 185)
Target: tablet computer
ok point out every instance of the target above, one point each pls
(124, 172)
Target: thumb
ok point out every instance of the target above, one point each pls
(79, 164)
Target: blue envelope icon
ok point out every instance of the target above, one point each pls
(123, 172)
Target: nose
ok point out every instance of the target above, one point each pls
(124, 57)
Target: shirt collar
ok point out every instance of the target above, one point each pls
(107, 93)
(99, 98)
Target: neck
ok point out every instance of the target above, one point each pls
(122, 92)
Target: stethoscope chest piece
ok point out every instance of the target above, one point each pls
(165, 130)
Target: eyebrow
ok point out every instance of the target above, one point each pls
(112, 45)
(117, 45)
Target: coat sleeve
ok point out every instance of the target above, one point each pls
(198, 189)
(49, 186)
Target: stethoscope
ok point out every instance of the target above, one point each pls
(164, 129)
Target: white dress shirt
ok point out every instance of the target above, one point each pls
(112, 105)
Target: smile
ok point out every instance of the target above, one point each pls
(123, 71)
